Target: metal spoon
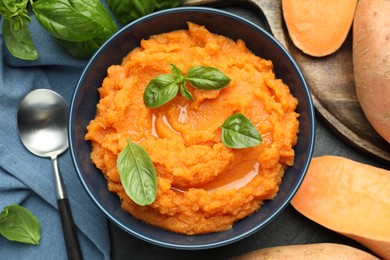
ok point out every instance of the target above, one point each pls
(42, 124)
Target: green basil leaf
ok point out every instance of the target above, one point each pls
(137, 174)
(185, 93)
(176, 72)
(161, 90)
(126, 11)
(238, 132)
(17, 38)
(84, 49)
(164, 4)
(80, 50)
(206, 78)
(74, 20)
(19, 224)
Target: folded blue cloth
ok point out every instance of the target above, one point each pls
(26, 179)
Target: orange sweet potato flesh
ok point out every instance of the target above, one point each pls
(371, 60)
(323, 251)
(350, 198)
(318, 27)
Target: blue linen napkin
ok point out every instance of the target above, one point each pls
(26, 179)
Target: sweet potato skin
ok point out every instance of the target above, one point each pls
(350, 198)
(371, 62)
(323, 251)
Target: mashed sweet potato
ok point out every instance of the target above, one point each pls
(203, 186)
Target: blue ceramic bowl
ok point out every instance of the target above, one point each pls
(86, 97)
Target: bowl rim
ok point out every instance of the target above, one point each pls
(309, 151)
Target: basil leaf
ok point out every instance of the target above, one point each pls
(164, 4)
(176, 72)
(126, 11)
(19, 224)
(238, 132)
(161, 90)
(80, 50)
(206, 78)
(137, 174)
(17, 38)
(84, 49)
(185, 93)
(74, 20)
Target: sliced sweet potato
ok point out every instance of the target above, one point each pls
(318, 27)
(350, 198)
(323, 251)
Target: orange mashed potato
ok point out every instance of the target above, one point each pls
(203, 186)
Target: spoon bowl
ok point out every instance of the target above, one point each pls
(42, 124)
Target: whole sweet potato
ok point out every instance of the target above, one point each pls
(371, 62)
(323, 251)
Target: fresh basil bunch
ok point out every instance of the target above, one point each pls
(15, 31)
(80, 26)
(19, 224)
(126, 11)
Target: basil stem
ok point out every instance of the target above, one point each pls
(206, 78)
(19, 224)
(137, 174)
(238, 132)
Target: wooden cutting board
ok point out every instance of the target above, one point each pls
(330, 80)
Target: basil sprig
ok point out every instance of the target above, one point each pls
(238, 132)
(137, 174)
(80, 26)
(19, 224)
(163, 88)
(16, 34)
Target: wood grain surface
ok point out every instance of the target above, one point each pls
(330, 79)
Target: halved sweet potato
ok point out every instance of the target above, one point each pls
(350, 198)
(318, 27)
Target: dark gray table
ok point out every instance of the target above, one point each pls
(289, 228)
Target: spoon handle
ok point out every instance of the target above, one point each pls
(68, 227)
